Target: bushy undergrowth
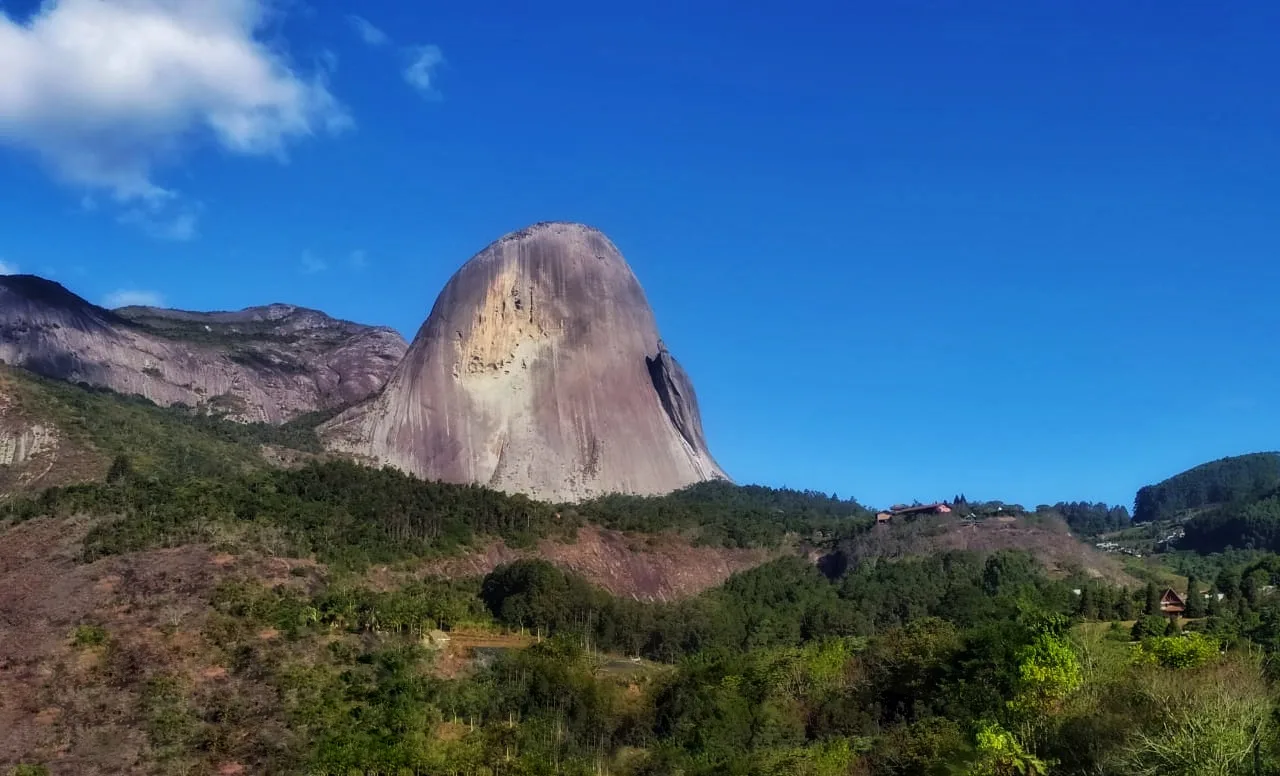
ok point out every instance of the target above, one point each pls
(829, 677)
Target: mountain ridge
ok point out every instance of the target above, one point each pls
(268, 363)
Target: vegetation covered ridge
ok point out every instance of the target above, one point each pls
(955, 664)
(1235, 480)
(342, 512)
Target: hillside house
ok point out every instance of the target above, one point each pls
(922, 509)
(902, 510)
(1172, 604)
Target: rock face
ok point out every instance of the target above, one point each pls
(262, 364)
(539, 371)
(34, 452)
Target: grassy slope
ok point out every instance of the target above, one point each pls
(170, 441)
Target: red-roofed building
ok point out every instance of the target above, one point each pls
(902, 510)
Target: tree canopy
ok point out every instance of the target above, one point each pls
(1236, 480)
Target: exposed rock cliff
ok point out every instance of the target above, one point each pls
(265, 363)
(539, 371)
(34, 451)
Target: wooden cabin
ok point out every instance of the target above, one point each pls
(1172, 604)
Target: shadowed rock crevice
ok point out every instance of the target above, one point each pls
(675, 390)
(536, 373)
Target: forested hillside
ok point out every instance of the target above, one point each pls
(1253, 525)
(1090, 519)
(89, 426)
(1230, 481)
(218, 598)
(1231, 504)
(962, 663)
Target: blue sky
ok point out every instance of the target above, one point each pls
(1024, 251)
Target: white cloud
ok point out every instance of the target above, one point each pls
(109, 91)
(359, 259)
(173, 222)
(133, 298)
(311, 264)
(423, 60)
(367, 31)
(8, 269)
(421, 71)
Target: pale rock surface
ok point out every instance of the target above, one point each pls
(29, 448)
(539, 371)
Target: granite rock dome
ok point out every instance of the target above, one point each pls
(540, 370)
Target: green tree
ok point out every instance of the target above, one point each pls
(1148, 626)
(1006, 571)
(1152, 600)
(1125, 609)
(1183, 651)
(121, 469)
(1215, 605)
(999, 753)
(1228, 582)
(1088, 608)
(1195, 598)
(1048, 671)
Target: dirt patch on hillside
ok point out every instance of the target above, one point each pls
(77, 705)
(650, 568)
(1049, 540)
(81, 705)
(457, 653)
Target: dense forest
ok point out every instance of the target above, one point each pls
(729, 515)
(1250, 526)
(1086, 519)
(1230, 481)
(1223, 506)
(354, 515)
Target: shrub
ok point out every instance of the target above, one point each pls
(1149, 626)
(1189, 650)
(89, 636)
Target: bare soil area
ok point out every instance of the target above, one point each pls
(77, 705)
(650, 568)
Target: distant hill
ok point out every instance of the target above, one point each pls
(539, 371)
(1239, 480)
(1251, 525)
(1043, 535)
(270, 363)
(1232, 503)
